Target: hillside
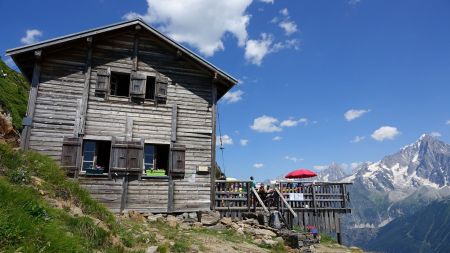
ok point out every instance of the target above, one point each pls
(13, 94)
(427, 230)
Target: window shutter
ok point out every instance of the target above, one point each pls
(178, 160)
(103, 81)
(136, 156)
(70, 152)
(119, 156)
(161, 88)
(137, 87)
(127, 156)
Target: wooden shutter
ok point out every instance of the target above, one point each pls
(161, 88)
(119, 156)
(103, 81)
(178, 160)
(127, 156)
(137, 87)
(71, 150)
(136, 156)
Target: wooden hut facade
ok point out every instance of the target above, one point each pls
(128, 112)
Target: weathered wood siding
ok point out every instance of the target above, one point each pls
(62, 83)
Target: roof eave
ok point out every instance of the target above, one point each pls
(94, 31)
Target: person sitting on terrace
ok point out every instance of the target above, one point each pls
(262, 192)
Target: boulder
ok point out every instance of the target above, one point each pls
(226, 221)
(210, 218)
(172, 221)
(152, 249)
(136, 216)
(155, 217)
(261, 233)
(251, 222)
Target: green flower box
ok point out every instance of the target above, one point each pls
(94, 171)
(155, 173)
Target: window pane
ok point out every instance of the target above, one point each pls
(150, 88)
(88, 156)
(149, 153)
(89, 146)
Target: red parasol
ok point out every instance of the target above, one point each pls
(301, 173)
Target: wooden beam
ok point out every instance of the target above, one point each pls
(259, 200)
(173, 139)
(213, 144)
(135, 55)
(173, 136)
(87, 80)
(129, 129)
(286, 203)
(123, 200)
(25, 138)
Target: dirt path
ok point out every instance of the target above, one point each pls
(216, 245)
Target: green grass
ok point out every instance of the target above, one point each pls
(14, 94)
(327, 239)
(29, 224)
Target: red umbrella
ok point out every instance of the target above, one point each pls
(301, 173)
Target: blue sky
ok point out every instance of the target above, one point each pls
(303, 65)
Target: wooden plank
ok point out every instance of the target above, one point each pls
(24, 144)
(213, 143)
(123, 200)
(86, 86)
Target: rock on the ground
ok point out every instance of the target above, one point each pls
(155, 217)
(226, 221)
(152, 249)
(172, 221)
(210, 218)
(261, 233)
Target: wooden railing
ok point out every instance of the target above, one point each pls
(315, 196)
(234, 197)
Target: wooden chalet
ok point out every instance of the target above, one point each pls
(131, 115)
(128, 112)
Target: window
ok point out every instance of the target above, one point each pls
(156, 157)
(150, 87)
(120, 84)
(96, 156)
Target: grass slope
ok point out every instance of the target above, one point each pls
(30, 224)
(14, 94)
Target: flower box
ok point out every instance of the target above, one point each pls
(155, 173)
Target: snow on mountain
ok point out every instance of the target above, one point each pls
(423, 163)
(333, 173)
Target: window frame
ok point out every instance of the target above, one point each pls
(113, 71)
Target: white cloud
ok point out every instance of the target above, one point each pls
(277, 138)
(354, 114)
(199, 23)
(256, 50)
(435, 134)
(358, 139)
(233, 96)
(353, 2)
(292, 122)
(320, 167)
(258, 165)
(448, 122)
(226, 140)
(265, 124)
(267, 1)
(293, 159)
(243, 142)
(288, 26)
(284, 12)
(385, 133)
(31, 37)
